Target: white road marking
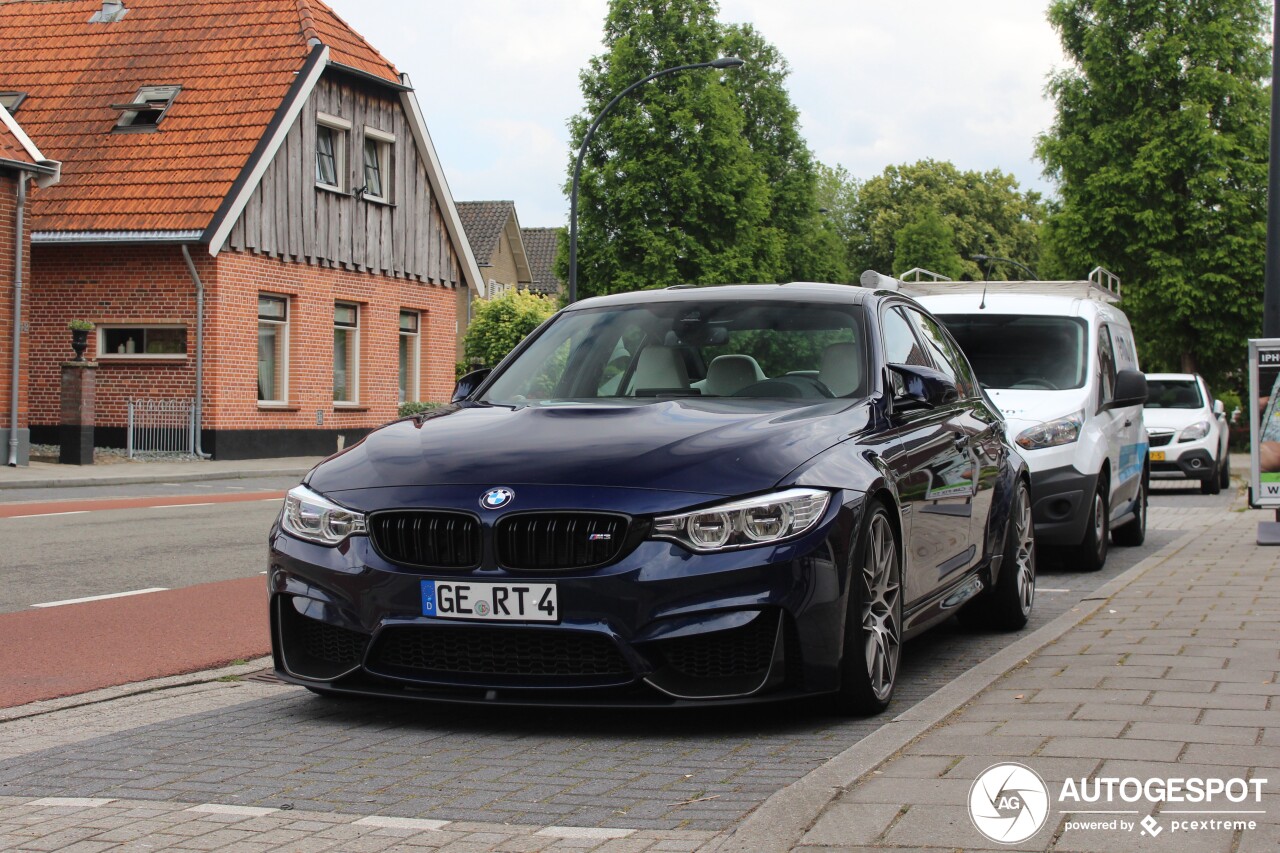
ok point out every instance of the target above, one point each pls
(401, 822)
(1046, 589)
(79, 802)
(218, 808)
(45, 514)
(101, 597)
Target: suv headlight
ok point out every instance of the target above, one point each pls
(309, 516)
(1051, 434)
(1195, 432)
(741, 524)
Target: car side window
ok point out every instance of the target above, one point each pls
(946, 356)
(900, 343)
(1106, 365)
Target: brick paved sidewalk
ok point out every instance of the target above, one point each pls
(1175, 676)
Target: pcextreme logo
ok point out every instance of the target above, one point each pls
(1010, 802)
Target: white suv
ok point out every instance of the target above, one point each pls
(1188, 431)
(1059, 360)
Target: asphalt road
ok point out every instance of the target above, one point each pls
(649, 770)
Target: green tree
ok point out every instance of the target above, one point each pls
(498, 324)
(1160, 151)
(986, 212)
(837, 194)
(927, 241)
(696, 177)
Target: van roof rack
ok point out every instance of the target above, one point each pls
(1102, 285)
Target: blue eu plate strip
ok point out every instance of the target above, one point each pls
(428, 598)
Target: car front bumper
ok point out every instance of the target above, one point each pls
(1061, 499)
(661, 626)
(1192, 460)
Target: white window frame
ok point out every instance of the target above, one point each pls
(103, 352)
(385, 143)
(353, 369)
(341, 129)
(283, 390)
(157, 94)
(412, 382)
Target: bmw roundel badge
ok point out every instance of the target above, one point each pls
(497, 498)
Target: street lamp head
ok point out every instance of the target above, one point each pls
(979, 257)
(727, 62)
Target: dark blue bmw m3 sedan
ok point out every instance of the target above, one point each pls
(676, 497)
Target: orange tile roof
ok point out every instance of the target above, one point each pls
(235, 61)
(10, 147)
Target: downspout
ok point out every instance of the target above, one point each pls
(17, 323)
(195, 276)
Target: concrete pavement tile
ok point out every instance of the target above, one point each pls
(1058, 728)
(87, 847)
(917, 766)
(852, 823)
(1216, 717)
(1088, 747)
(1109, 841)
(1109, 697)
(1193, 734)
(1260, 687)
(1233, 756)
(914, 792)
(923, 825)
(1052, 770)
(1226, 701)
(1136, 713)
(942, 743)
(1264, 839)
(1241, 676)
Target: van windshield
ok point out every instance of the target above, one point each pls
(1023, 352)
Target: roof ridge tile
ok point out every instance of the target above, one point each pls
(309, 31)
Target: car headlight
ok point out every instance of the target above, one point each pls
(316, 519)
(1195, 432)
(742, 524)
(1051, 434)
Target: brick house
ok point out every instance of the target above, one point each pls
(250, 209)
(21, 163)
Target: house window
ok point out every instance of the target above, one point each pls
(142, 341)
(331, 151)
(377, 164)
(11, 100)
(346, 352)
(147, 108)
(409, 353)
(273, 348)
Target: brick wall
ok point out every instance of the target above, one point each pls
(152, 285)
(8, 234)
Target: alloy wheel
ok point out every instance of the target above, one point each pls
(881, 611)
(1025, 555)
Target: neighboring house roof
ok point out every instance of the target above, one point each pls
(17, 151)
(234, 60)
(540, 245)
(484, 221)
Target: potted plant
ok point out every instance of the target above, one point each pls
(80, 330)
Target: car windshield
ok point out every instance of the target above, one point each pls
(1023, 351)
(754, 349)
(1173, 394)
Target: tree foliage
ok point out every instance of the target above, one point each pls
(1160, 150)
(498, 324)
(986, 213)
(928, 242)
(695, 177)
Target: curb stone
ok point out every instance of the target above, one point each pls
(781, 821)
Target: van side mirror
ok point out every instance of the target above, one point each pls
(1131, 390)
(468, 384)
(915, 387)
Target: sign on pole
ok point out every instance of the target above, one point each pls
(1264, 423)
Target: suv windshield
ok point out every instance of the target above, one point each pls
(740, 348)
(1173, 394)
(1023, 351)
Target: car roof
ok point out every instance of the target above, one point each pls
(797, 291)
(1046, 305)
(1168, 376)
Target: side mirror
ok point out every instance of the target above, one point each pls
(1218, 408)
(1131, 390)
(915, 387)
(468, 384)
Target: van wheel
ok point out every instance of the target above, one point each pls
(1091, 553)
(1133, 533)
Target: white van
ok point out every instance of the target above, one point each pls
(1058, 359)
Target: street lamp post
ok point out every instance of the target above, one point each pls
(722, 62)
(1030, 271)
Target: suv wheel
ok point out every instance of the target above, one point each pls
(1212, 484)
(1091, 553)
(1224, 474)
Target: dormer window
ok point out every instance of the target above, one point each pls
(147, 108)
(11, 100)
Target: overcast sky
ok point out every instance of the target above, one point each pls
(877, 82)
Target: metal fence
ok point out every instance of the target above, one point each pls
(162, 425)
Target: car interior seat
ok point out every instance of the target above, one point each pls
(841, 368)
(659, 367)
(729, 374)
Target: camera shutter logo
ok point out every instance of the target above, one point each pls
(1008, 803)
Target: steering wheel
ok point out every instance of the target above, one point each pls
(805, 387)
(1036, 382)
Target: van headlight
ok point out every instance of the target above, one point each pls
(1195, 432)
(309, 516)
(1051, 434)
(741, 524)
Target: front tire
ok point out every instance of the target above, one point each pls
(873, 620)
(1133, 533)
(1091, 553)
(1224, 476)
(1211, 485)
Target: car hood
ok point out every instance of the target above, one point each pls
(1029, 408)
(717, 447)
(1174, 419)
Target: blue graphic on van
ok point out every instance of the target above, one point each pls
(1132, 457)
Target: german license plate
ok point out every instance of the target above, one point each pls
(1157, 456)
(493, 602)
